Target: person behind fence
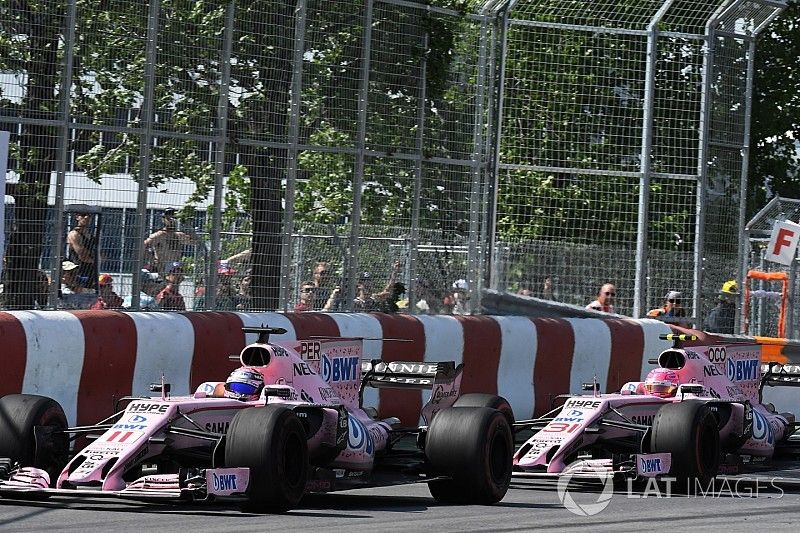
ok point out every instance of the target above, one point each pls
(605, 299)
(671, 310)
(107, 298)
(456, 302)
(225, 298)
(165, 246)
(150, 287)
(322, 276)
(170, 298)
(73, 294)
(722, 318)
(306, 302)
(82, 250)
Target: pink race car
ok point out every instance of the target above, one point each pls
(698, 414)
(290, 420)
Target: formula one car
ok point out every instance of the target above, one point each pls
(290, 420)
(697, 415)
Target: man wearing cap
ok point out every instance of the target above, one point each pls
(108, 299)
(671, 311)
(73, 295)
(170, 298)
(722, 318)
(150, 285)
(165, 246)
(82, 250)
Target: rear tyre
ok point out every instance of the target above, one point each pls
(479, 399)
(688, 430)
(271, 442)
(473, 446)
(31, 432)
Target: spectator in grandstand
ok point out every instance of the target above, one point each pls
(107, 299)
(605, 299)
(82, 250)
(170, 298)
(671, 311)
(73, 294)
(306, 302)
(165, 246)
(722, 318)
(151, 285)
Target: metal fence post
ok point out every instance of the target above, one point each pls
(219, 155)
(145, 144)
(293, 150)
(64, 94)
(358, 177)
(640, 278)
(417, 189)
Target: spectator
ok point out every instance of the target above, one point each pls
(364, 301)
(306, 302)
(605, 299)
(243, 298)
(524, 291)
(387, 301)
(165, 246)
(226, 298)
(151, 284)
(108, 299)
(722, 318)
(74, 295)
(170, 298)
(671, 310)
(323, 291)
(547, 288)
(83, 250)
(456, 302)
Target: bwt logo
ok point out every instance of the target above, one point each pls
(651, 466)
(340, 368)
(224, 482)
(742, 370)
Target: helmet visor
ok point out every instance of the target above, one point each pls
(660, 388)
(247, 389)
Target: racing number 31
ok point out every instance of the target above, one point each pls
(560, 427)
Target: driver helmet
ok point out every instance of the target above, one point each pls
(244, 384)
(661, 382)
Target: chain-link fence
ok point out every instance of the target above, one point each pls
(349, 146)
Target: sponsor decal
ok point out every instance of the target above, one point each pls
(711, 371)
(358, 437)
(123, 437)
(310, 350)
(645, 420)
(692, 355)
(302, 369)
(571, 415)
(440, 393)
(139, 407)
(223, 482)
(762, 430)
(742, 370)
(328, 394)
(133, 427)
(218, 427)
(306, 397)
(713, 393)
(137, 419)
(717, 354)
(227, 481)
(335, 369)
(279, 351)
(561, 427)
(653, 464)
(582, 403)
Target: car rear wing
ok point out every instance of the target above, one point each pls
(444, 380)
(778, 375)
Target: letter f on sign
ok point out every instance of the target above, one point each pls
(784, 236)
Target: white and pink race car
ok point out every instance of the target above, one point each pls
(288, 422)
(698, 414)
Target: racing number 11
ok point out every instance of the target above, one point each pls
(560, 427)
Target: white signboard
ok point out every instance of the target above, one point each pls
(783, 243)
(4, 139)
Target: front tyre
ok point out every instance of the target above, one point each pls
(473, 446)
(31, 432)
(271, 442)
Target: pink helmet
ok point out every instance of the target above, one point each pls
(661, 382)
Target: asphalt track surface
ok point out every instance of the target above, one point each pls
(529, 505)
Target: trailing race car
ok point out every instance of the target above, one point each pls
(289, 421)
(698, 414)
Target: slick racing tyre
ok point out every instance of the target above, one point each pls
(688, 430)
(473, 446)
(271, 441)
(31, 432)
(478, 399)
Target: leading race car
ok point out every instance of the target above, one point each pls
(290, 420)
(698, 414)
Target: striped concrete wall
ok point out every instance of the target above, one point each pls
(88, 359)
